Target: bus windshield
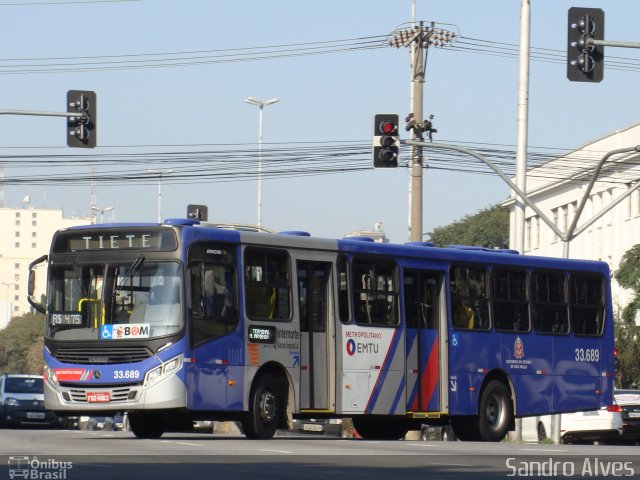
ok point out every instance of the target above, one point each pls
(114, 301)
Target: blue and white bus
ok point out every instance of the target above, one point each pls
(184, 320)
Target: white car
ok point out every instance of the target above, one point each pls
(596, 426)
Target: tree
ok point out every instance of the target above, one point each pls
(21, 345)
(487, 228)
(626, 334)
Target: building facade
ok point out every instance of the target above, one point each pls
(377, 234)
(611, 216)
(25, 236)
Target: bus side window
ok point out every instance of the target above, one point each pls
(510, 301)
(343, 289)
(549, 303)
(375, 293)
(213, 301)
(586, 304)
(267, 285)
(469, 299)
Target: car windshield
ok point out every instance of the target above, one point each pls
(23, 385)
(125, 301)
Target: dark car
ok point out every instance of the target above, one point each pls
(629, 402)
(22, 402)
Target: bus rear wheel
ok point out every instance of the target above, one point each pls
(146, 425)
(380, 428)
(266, 408)
(495, 412)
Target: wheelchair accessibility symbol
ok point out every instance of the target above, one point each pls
(106, 333)
(454, 340)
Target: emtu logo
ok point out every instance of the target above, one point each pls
(351, 347)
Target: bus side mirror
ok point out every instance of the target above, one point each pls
(32, 283)
(31, 286)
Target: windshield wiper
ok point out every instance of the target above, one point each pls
(132, 270)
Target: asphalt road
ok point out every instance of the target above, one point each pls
(76, 455)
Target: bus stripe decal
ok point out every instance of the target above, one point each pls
(377, 388)
(396, 400)
(412, 401)
(430, 375)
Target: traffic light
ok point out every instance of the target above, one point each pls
(585, 61)
(198, 212)
(386, 140)
(81, 131)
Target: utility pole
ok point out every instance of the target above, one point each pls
(522, 142)
(417, 88)
(419, 38)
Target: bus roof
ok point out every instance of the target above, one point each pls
(249, 234)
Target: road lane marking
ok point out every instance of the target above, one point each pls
(276, 451)
(542, 450)
(190, 444)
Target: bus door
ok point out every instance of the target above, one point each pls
(426, 352)
(313, 305)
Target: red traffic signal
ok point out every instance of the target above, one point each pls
(386, 140)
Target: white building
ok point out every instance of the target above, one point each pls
(377, 234)
(557, 188)
(26, 235)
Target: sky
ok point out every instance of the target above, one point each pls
(167, 92)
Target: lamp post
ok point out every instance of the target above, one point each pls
(101, 210)
(160, 174)
(260, 104)
(8, 307)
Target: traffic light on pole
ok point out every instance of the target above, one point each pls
(585, 61)
(81, 130)
(386, 140)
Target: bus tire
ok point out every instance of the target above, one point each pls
(146, 425)
(495, 413)
(266, 408)
(380, 428)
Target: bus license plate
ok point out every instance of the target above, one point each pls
(98, 397)
(35, 415)
(310, 427)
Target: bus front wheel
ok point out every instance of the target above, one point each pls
(495, 413)
(146, 424)
(265, 409)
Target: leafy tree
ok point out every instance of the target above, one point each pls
(627, 339)
(21, 345)
(487, 228)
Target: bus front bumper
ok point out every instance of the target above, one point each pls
(170, 392)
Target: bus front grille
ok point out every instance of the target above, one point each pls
(102, 356)
(79, 395)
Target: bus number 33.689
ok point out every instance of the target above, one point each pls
(587, 354)
(126, 374)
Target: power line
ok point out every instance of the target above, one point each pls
(287, 161)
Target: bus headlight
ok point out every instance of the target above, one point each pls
(11, 402)
(50, 376)
(163, 370)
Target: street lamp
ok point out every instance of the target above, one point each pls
(160, 174)
(260, 104)
(101, 210)
(8, 308)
